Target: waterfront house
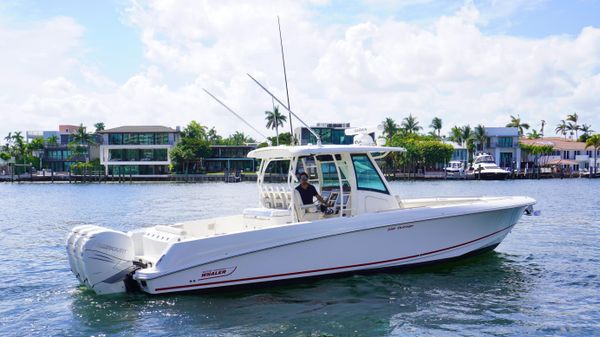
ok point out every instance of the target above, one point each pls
(567, 154)
(503, 144)
(31, 135)
(230, 158)
(137, 150)
(59, 157)
(330, 133)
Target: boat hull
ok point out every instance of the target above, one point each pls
(393, 239)
(490, 175)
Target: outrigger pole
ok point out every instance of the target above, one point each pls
(285, 78)
(288, 109)
(236, 115)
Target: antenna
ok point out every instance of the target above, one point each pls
(361, 135)
(236, 115)
(285, 77)
(288, 109)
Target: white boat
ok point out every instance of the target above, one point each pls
(484, 167)
(455, 167)
(366, 228)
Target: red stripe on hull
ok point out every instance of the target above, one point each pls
(331, 268)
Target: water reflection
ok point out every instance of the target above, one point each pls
(451, 297)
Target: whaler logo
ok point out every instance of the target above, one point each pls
(217, 272)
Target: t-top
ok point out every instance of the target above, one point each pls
(307, 194)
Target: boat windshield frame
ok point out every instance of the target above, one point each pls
(346, 184)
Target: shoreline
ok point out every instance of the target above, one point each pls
(212, 178)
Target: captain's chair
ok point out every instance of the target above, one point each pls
(305, 212)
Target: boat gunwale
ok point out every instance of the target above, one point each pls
(316, 236)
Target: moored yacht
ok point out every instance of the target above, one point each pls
(484, 167)
(455, 167)
(366, 227)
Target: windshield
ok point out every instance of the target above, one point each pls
(367, 177)
(484, 159)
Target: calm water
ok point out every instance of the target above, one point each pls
(542, 280)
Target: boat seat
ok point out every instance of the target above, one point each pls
(265, 212)
(305, 212)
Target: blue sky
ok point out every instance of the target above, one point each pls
(128, 61)
(114, 46)
(111, 43)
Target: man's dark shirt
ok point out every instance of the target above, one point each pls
(307, 194)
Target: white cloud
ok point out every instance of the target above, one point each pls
(360, 73)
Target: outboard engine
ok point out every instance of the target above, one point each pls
(101, 258)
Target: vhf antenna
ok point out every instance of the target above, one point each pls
(236, 115)
(290, 111)
(285, 78)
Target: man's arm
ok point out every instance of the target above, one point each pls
(316, 194)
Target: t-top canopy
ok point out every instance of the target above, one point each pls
(284, 151)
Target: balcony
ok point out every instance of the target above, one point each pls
(514, 145)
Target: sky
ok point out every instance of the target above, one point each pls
(127, 62)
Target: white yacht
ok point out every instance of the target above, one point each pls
(484, 167)
(455, 167)
(365, 228)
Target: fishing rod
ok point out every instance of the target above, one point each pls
(236, 115)
(285, 76)
(288, 109)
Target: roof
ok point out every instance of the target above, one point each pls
(284, 151)
(501, 131)
(139, 128)
(562, 162)
(559, 144)
(455, 145)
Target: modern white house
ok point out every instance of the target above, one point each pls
(330, 133)
(567, 154)
(137, 150)
(503, 145)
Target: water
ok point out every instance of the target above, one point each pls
(542, 280)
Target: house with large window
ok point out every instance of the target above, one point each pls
(503, 144)
(137, 149)
(330, 133)
(59, 157)
(230, 158)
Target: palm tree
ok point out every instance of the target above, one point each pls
(561, 128)
(456, 135)
(468, 137)
(52, 140)
(534, 134)
(573, 126)
(594, 141)
(81, 141)
(586, 129)
(480, 136)
(436, 125)
(82, 137)
(389, 127)
(542, 129)
(275, 120)
(8, 139)
(515, 122)
(410, 124)
(99, 127)
(19, 142)
(238, 138)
